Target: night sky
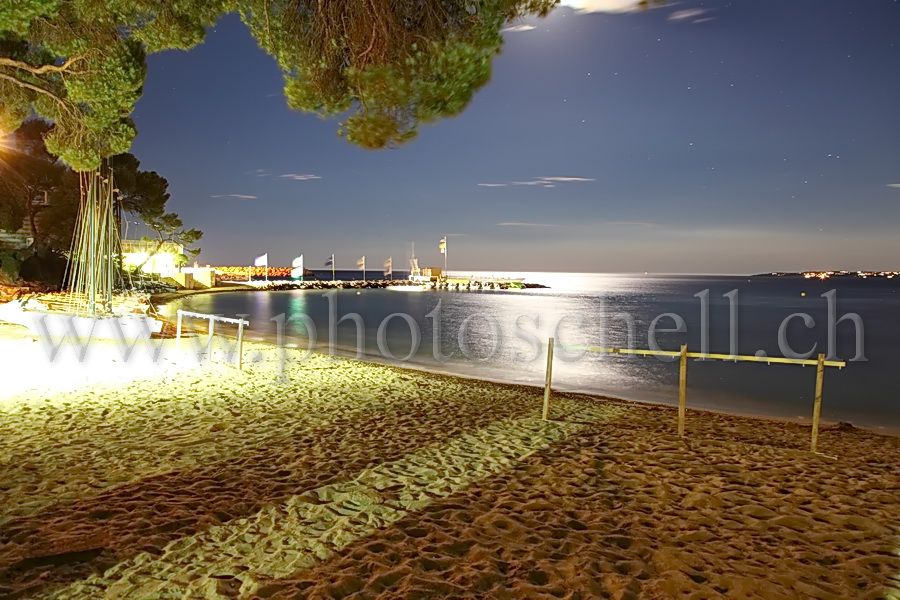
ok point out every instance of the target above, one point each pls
(713, 137)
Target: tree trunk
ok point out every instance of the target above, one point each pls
(36, 237)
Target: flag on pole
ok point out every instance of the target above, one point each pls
(361, 263)
(261, 261)
(329, 262)
(297, 270)
(389, 266)
(442, 246)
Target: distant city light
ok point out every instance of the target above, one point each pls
(823, 275)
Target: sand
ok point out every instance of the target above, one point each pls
(332, 478)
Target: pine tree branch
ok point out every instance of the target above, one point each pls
(43, 69)
(41, 90)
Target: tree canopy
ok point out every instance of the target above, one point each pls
(388, 65)
(35, 172)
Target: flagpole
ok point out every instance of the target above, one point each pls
(249, 274)
(445, 256)
(332, 267)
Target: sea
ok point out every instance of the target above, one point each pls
(502, 335)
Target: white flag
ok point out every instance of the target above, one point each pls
(297, 271)
(389, 265)
(361, 263)
(442, 246)
(261, 261)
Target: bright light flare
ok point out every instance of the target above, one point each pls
(8, 147)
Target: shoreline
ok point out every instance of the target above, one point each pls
(17, 332)
(167, 297)
(10, 331)
(427, 368)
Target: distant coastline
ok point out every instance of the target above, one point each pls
(829, 274)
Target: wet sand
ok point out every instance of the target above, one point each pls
(331, 478)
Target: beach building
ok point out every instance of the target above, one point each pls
(162, 263)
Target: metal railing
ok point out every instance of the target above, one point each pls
(683, 355)
(212, 325)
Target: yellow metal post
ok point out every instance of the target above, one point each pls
(240, 343)
(682, 388)
(817, 405)
(548, 380)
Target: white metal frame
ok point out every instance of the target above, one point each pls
(212, 325)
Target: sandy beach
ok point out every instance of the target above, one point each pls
(331, 478)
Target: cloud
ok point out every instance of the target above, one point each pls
(547, 182)
(690, 13)
(297, 177)
(703, 20)
(238, 196)
(894, 185)
(606, 6)
(518, 224)
(563, 179)
(515, 28)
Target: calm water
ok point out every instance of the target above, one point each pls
(495, 335)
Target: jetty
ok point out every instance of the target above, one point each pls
(480, 283)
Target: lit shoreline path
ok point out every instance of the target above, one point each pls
(283, 540)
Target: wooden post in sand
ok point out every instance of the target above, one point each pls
(817, 403)
(549, 379)
(682, 389)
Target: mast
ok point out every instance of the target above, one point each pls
(91, 274)
(414, 263)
